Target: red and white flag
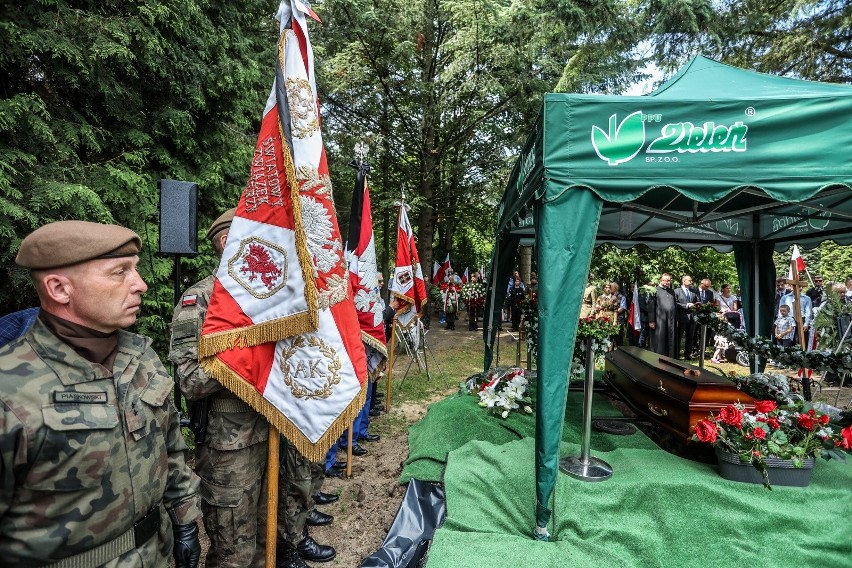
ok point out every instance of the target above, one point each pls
(634, 319)
(466, 276)
(408, 282)
(800, 263)
(308, 378)
(439, 272)
(364, 274)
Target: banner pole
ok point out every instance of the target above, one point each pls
(272, 495)
(391, 350)
(349, 450)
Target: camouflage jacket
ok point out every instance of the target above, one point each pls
(86, 452)
(227, 428)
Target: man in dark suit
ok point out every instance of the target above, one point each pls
(779, 291)
(685, 297)
(662, 315)
(704, 295)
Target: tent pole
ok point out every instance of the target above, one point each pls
(489, 340)
(755, 277)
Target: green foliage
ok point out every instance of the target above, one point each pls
(447, 91)
(644, 264)
(804, 38)
(98, 104)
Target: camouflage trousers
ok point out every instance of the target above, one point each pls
(234, 504)
(300, 481)
(233, 490)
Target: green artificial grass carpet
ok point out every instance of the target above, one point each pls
(454, 421)
(656, 510)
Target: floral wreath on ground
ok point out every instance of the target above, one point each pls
(791, 432)
(473, 294)
(501, 391)
(793, 357)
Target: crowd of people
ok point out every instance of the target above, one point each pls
(667, 318)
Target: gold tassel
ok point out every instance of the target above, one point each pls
(374, 343)
(266, 332)
(314, 452)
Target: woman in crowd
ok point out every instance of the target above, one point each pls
(727, 301)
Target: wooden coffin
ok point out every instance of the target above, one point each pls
(670, 393)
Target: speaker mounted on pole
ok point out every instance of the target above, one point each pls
(178, 217)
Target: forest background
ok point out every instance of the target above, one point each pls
(100, 100)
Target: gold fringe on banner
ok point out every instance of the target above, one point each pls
(266, 332)
(374, 343)
(314, 452)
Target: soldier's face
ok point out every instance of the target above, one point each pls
(106, 294)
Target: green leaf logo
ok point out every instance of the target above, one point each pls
(622, 142)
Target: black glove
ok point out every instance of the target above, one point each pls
(187, 549)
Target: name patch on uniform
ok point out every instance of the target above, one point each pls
(189, 300)
(80, 397)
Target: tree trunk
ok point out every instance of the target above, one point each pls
(429, 151)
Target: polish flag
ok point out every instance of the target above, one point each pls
(634, 318)
(466, 276)
(408, 282)
(800, 263)
(439, 272)
(281, 330)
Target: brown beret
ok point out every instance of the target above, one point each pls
(223, 222)
(65, 243)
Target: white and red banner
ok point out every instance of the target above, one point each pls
(633, 319)
(364, 274)
(408, 282)
(466, 276)
(439, 272)
(306, 377)
(800, 263)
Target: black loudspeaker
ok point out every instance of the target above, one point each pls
(178, 217)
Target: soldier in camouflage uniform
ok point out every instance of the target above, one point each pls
(232, 460)
(92, 469)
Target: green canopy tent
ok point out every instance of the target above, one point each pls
(717, 156)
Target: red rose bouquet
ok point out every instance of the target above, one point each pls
(794, 432)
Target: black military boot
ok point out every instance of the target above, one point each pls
(325, 498)
(310, 550)
(287, 557)
(318, 518)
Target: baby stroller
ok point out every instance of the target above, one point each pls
(734, 354)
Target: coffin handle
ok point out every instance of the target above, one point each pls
(656, 411)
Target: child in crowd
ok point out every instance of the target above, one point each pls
(720, 342)
(783, 327)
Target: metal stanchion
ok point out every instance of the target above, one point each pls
(703, 350)
(584, 466)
